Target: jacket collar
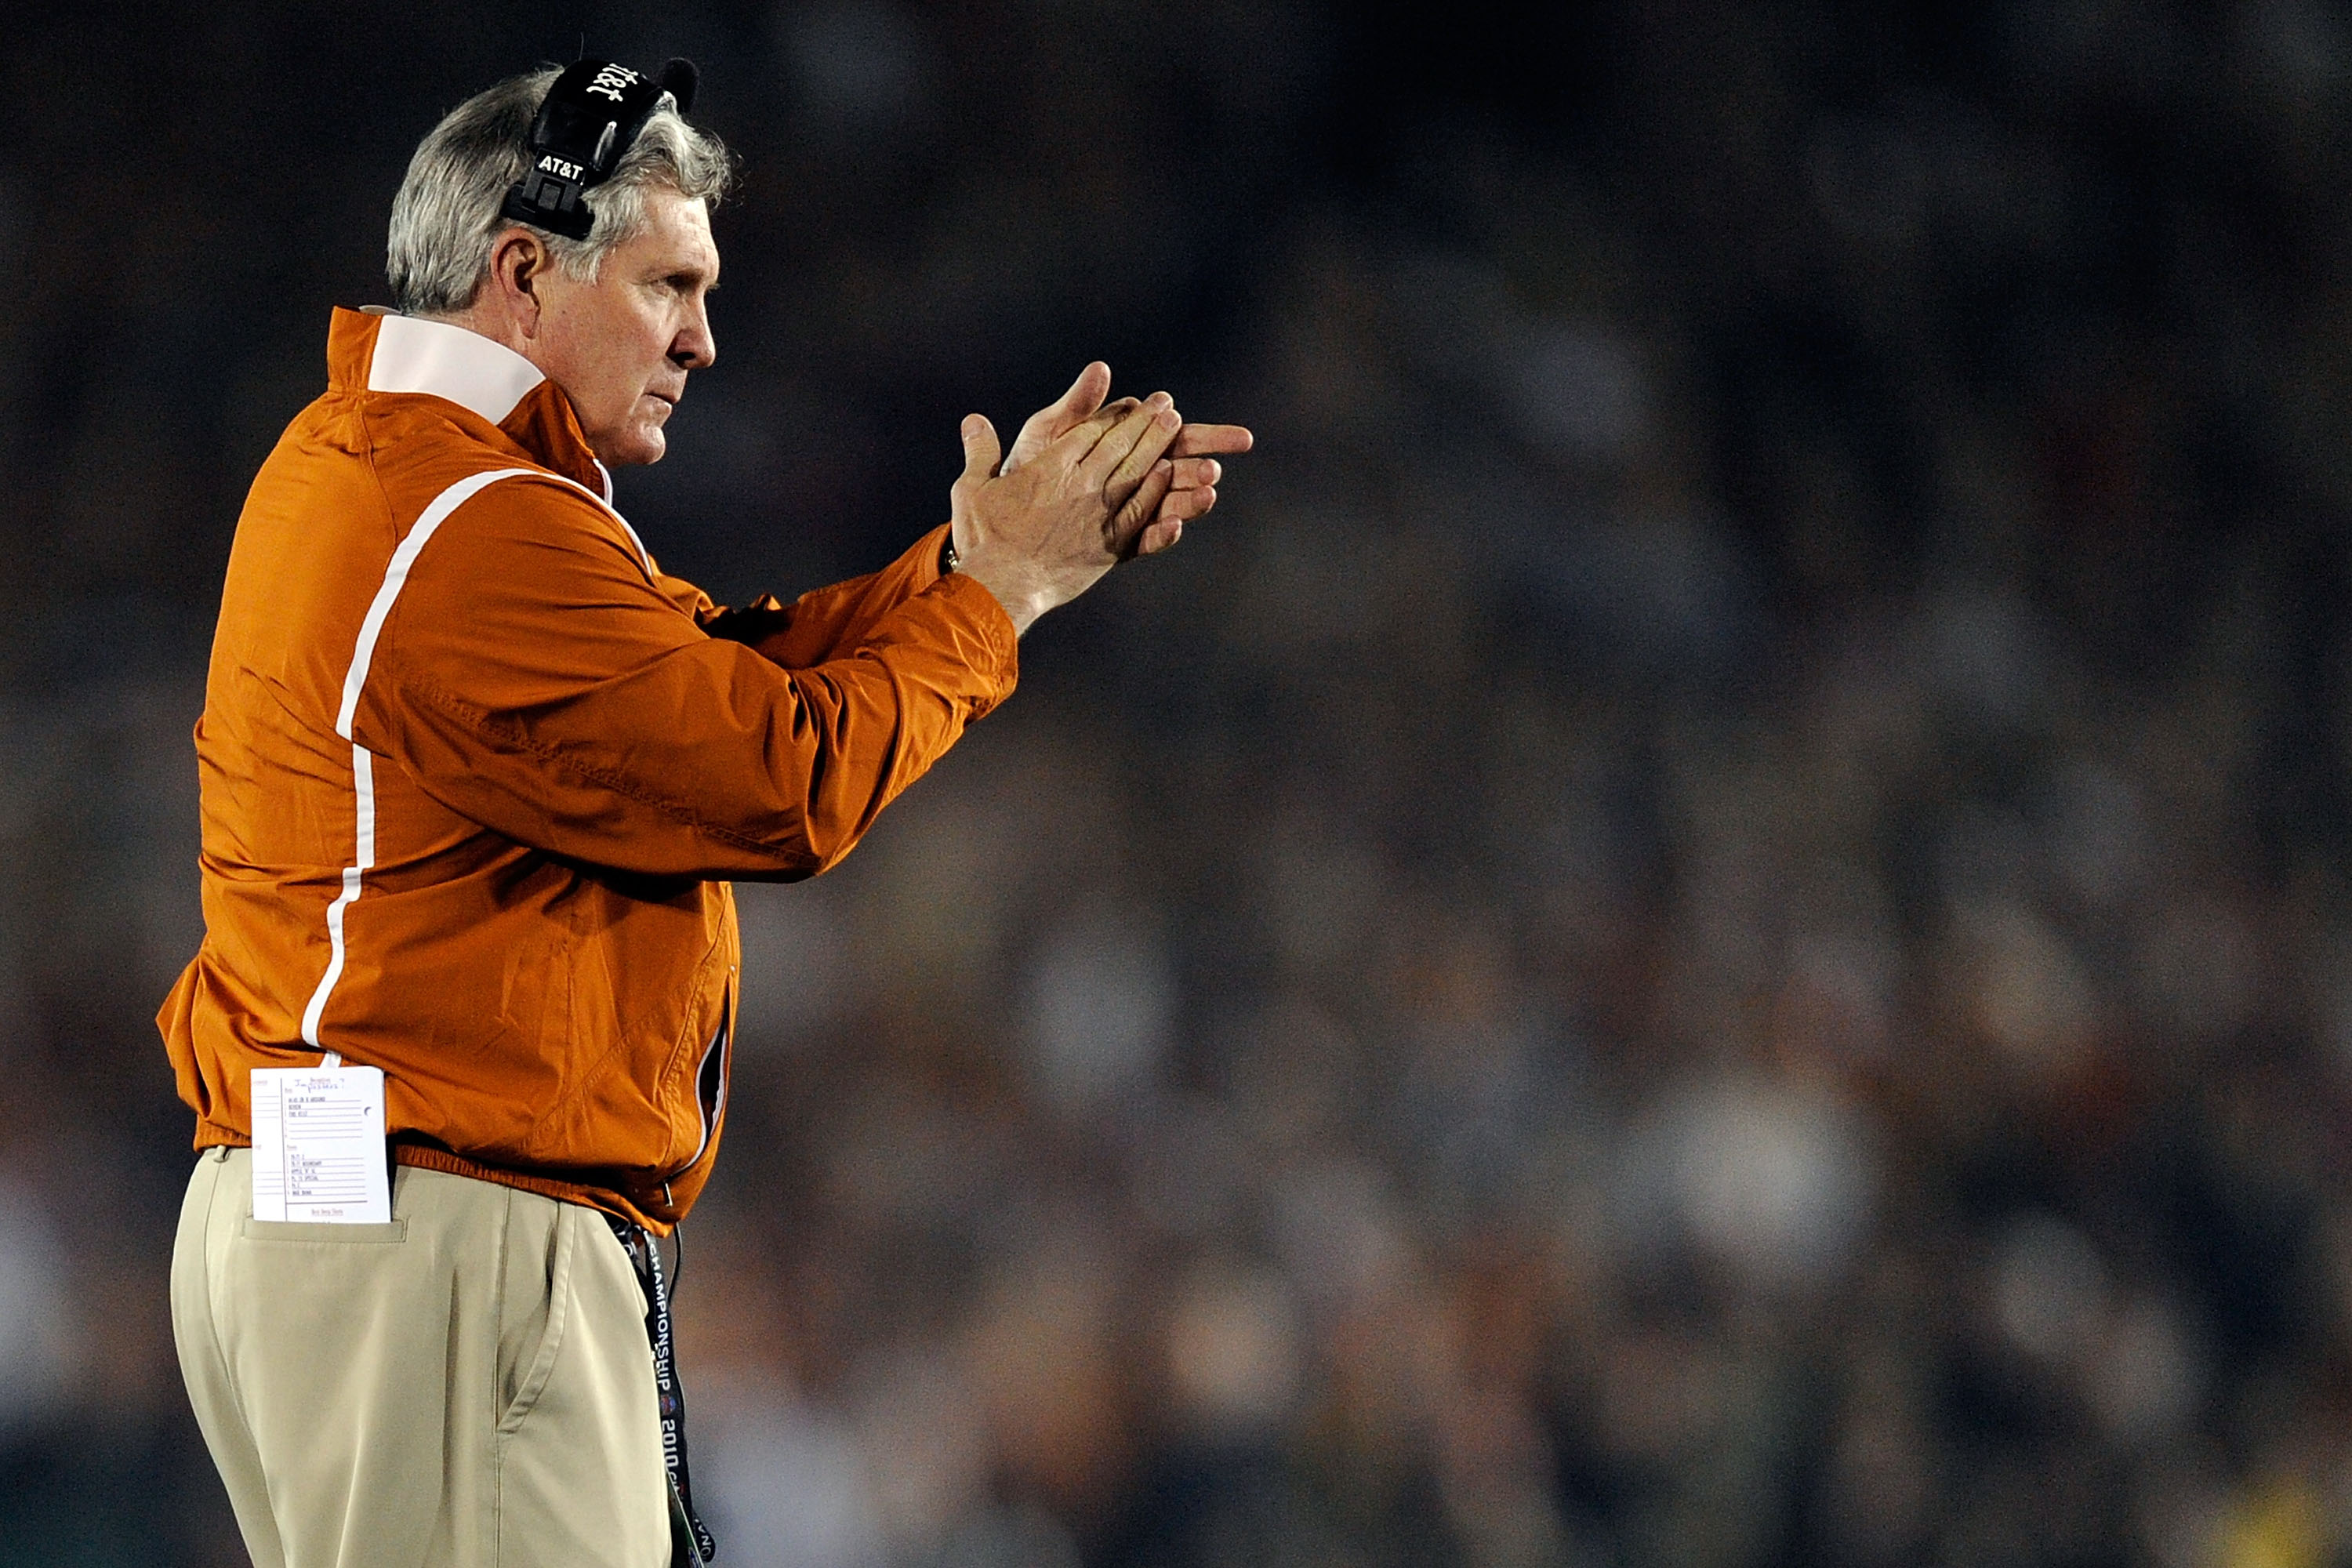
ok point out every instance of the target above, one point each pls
(392, 355)
(412, 354)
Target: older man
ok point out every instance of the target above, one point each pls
(475, 773)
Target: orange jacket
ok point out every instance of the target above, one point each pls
(474, 772)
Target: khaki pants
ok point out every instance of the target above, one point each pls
(468, 1387)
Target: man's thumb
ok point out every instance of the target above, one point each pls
(982, 450)
(1086, 393)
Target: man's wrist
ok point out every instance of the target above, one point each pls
(949, 561)
(1022, 598)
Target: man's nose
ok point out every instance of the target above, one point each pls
(695, 348)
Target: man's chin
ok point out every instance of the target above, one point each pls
(637, 448)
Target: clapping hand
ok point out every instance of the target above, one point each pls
(1086, 485)
(1192, 467)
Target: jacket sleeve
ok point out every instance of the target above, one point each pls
(826, 623)
(533, 678)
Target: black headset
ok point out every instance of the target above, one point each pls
(588, 120)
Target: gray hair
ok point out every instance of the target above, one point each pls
(446, 217)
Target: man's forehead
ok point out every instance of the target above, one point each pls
(677, 232)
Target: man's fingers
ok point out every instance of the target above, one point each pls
(1177, 507)
(1071, 446)
(1085, 396)
(1146, 459)
(1115, 442)
(1191, 473)
(1104, 418)
(1129, 449)
(1082, 401)
(1159, 536)
(1207, 440)
(981, 451)
(1081, 436)
(1185, 505)
(1141, 512)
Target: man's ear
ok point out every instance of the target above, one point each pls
(518, 260)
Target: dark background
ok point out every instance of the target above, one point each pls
(1708, 924)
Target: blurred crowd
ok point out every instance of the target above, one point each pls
(1709, 923)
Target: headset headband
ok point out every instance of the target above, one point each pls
(586, 124)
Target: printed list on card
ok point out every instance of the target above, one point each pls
(317, 1146)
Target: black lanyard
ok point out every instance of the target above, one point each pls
(688, 1533)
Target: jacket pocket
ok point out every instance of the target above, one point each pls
(623, 1106)
(710, 1092)
(691, 1092)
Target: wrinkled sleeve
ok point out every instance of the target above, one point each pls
(827, 622)
(532, 677)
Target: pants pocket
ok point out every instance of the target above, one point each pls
(253, 1229)
(535, 1307)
